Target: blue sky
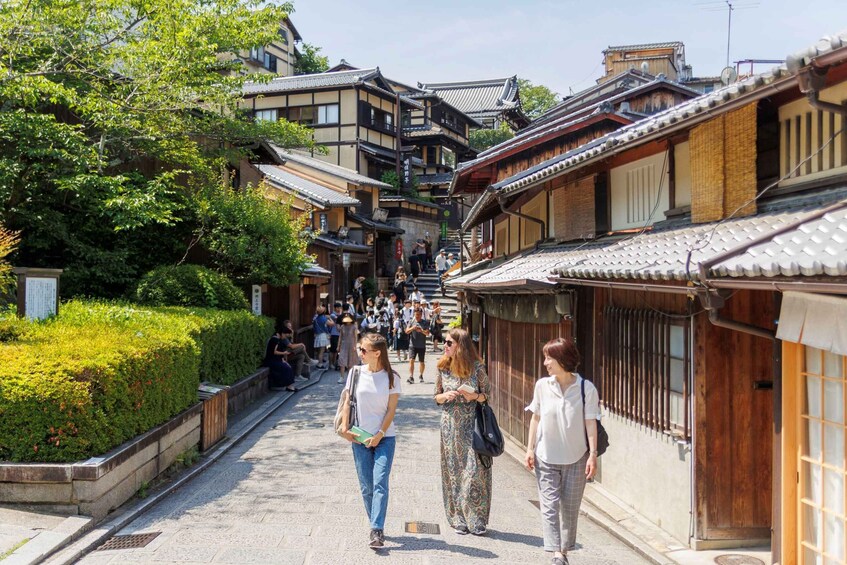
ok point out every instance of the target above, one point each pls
(558, 44)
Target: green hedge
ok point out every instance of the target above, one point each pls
(100, 373)
(189, 285)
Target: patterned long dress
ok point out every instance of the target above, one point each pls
(465, 482)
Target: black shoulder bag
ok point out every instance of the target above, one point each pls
(602, 435)
(487, 439)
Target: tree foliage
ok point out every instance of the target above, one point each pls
(536, 98)
(482, 139)
(8, 242)
(117, 119)
(310, 61)
(253, 239)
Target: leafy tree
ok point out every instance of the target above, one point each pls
(254, 239)
(482, 139)
(8, 242)
(390, 177)
(310, 61)
(117, 119)
(536, 98)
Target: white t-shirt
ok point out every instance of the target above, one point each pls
(372, 398)
(561, 430)
(441, 263)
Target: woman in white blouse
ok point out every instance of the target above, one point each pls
(562, 446)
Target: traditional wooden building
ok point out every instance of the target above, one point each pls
(353, 114)
(490, 102)
(278, 58)
(698, 258)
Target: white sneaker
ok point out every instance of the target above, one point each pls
(312, 362)
(340, 381)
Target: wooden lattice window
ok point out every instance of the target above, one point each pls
(646, 369)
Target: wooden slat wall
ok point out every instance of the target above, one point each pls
(514, 365)
(734, 422)
(213, 420)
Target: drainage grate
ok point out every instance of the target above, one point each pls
(736, 559)
(129, 542)
(422, 528)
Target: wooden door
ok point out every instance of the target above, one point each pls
(815, 504)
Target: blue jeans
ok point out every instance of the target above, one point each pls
(373, 467)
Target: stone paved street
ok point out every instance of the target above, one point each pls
(288, 494)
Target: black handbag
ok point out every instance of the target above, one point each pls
(602, 435)
(487, 440)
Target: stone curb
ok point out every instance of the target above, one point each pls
(603, 520)
(73, 550)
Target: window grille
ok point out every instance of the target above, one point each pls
(646, 369)
(803, 134)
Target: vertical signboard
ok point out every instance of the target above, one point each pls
(41, 297)
(256, 299)
(407, 172)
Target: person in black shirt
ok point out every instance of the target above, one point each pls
(418, 331)
(281, 375)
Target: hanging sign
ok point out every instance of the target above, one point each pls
(398, 249)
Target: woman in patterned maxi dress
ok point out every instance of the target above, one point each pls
(465, 482)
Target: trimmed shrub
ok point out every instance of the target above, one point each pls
(189, 285)
(232, 343)
(95, 376)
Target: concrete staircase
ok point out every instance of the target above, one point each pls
(428, 280)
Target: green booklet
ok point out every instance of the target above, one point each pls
(360, 434)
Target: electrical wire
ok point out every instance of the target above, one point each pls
(699, 244)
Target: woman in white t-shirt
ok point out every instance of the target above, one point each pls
(377, 391)
(562, 445)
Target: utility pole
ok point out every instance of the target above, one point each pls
(728, 30)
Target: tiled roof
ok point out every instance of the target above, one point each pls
(492, 96)
(344, 173)
(817, 247)
(422, 131)
(677, 117)
(627, 80)
(315, 270)
(378, 226)
(437, 178)
(825, 45)
(528, 272)
(674, 253)
(640, 46)
(310, 191)
(345, 244)
(403, 198)
(302, 82)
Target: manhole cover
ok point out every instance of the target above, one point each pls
(735, 559)
(129, 542)
(422, 528)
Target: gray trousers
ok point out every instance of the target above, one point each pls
(560, 489)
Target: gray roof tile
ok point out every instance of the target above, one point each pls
(344, 173)
(483, 96)
(633, 134)
(308, 190)
(319, 80)
(815, 248)
(640, 46)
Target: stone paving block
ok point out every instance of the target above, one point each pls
(249, 555)
(288, 493)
